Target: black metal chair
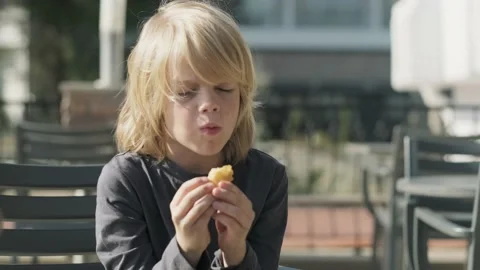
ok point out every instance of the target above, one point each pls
(425, 219)
(448, 216)
(384, 215)
(66, 223)
(389, 219)
(41, 143)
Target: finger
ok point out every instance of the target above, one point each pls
(230, 223)
(225, 195)
(206, 216)
(230, 186)
(197, 211)
(186, 188)
(189, 200)
(233, 211)
(205, 197)
(236, 194)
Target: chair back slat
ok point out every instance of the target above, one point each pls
(55, 129)
(73, 152)
(44, 208)
(48, 241)
(56, 156)
(56, 143)
(49, 176)
(447, 145)
(437, 167)
(77, 266)
(67, 139)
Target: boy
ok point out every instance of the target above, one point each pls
(188, 109)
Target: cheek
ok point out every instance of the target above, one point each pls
(179, 118)
(168, 116)
(172, 116)
(234, 105)
(232, 112)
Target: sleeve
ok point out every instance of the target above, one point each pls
(264, 242)
(121, 232)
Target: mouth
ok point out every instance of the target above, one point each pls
(210, 129)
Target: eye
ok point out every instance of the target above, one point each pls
(222, 89)
(187, 92)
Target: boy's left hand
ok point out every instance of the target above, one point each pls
(233, 220)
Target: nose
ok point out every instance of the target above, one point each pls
(208, 102)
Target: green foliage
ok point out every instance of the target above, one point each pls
(317, 140)
(296, 119)
(345, 119)
(64, 38)
(297, 186)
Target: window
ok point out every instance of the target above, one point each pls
(311, 13)
(256, 13)
(352, 13)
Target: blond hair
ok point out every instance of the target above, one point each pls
(209, 41)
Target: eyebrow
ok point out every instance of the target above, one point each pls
(186, 81)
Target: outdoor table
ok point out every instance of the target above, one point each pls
(441, 186)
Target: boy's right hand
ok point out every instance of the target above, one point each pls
(191, 209)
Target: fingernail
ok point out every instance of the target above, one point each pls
(225, 184)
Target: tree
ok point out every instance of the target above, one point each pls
(64, 40)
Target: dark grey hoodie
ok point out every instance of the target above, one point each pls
(134, 229)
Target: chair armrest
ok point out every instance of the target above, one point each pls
(382, 214)
(366, 194)
(441, 224)
(457, 216)
(379, 216)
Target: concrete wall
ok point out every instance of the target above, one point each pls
(367, 68)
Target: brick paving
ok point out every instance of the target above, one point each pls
(311, 228)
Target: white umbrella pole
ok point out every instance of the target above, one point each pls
(112, 39)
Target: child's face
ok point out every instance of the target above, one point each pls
(204, 116)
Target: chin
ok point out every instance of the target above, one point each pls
(207, 151)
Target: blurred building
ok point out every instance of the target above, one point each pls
(307, 44)
(331, 52)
